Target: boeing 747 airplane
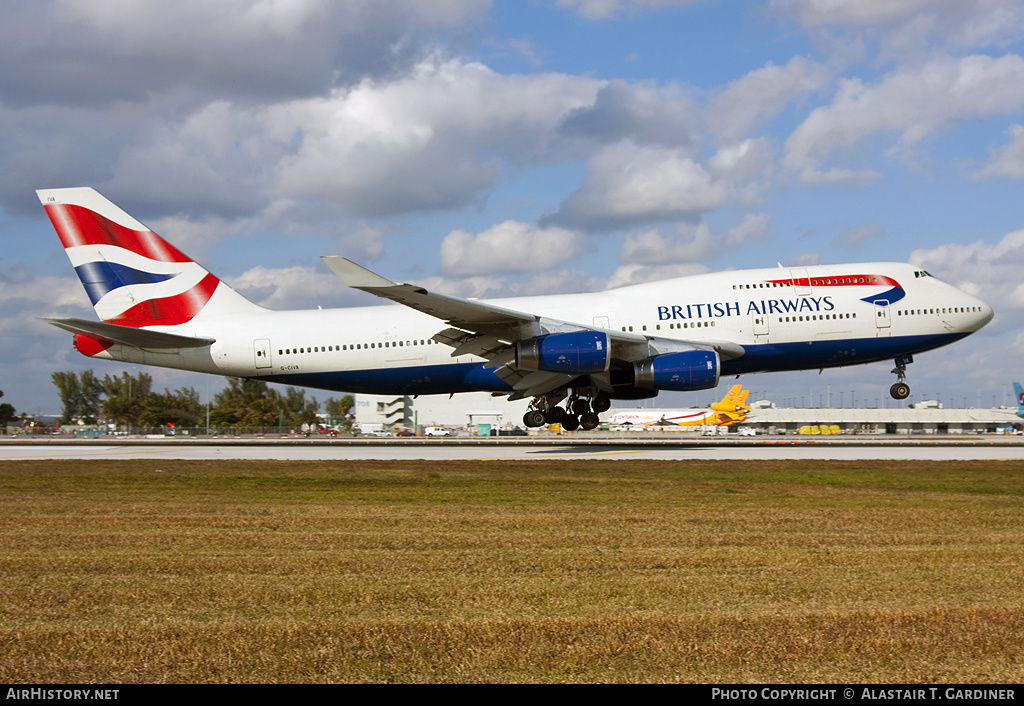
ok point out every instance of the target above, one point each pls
(156, 306)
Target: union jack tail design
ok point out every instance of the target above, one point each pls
(133, 277)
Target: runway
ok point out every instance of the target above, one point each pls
(945, 449)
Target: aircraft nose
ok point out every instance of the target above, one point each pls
(986, 314)
(982, 313)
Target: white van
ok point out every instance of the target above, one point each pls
(436, 431)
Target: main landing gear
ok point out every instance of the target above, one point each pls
(901, 390)
(578, 413)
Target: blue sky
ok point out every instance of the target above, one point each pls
(504, 148)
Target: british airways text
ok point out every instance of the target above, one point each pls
(765, 306)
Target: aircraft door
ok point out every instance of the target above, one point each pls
(760, 324)
(882, 315)
(261, 353)
(602, 322)
(801, 282)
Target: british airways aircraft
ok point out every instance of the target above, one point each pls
(571, 354)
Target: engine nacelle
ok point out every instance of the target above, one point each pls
(576, 353)
(690, 370)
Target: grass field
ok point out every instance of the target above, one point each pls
(547, 571)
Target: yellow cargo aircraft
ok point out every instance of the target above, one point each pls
(731, 410)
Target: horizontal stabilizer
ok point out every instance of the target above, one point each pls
(128, 336)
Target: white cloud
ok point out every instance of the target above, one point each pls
(433, 139)
(629, 184)
(83, 51)
(645, 113)
(44, 296)
(762, 94)
(989, 272)
(490, 287)
(906, 27)
(507, 247)
(289, 288)
(1007, 160)
(914, 103)
(626, 275)
(692, 243)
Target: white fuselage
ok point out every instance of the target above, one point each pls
(785, 319)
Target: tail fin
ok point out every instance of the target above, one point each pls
(734, 400)
(133, 276)
(1019, 391)
(742, 399)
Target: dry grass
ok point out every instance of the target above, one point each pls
(515, 571)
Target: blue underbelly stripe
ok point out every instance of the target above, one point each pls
(472, 377)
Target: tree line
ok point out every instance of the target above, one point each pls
(129, 400)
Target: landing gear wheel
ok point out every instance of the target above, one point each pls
(900, 391)
(601, 403)
(533, 418)
(571, 423)
(589, 421)
(555, 415)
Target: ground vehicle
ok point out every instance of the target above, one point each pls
(436, 431)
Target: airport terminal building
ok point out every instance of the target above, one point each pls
(468, 412)
(459, 412)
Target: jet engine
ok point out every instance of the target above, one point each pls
(574, 353)
(689, 370)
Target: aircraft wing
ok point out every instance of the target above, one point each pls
(491, 331)
(470, 315)
(128, 336)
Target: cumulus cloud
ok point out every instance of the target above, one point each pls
(507, 247)
(692, 243)
(560, 281)
(630, 184)
(287, 288)
(909, 27)
(762, 94)
(111, 50)
(911, 102)
(990, 272)
(644, 113)
(626, 275)
(434, 138)
(1007, 160)
(431, 140)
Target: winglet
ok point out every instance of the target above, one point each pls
(353, 275)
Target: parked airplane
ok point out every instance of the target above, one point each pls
(1019, 391)
(730, 411)
(158, 307)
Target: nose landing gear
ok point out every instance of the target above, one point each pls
(901, 390)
